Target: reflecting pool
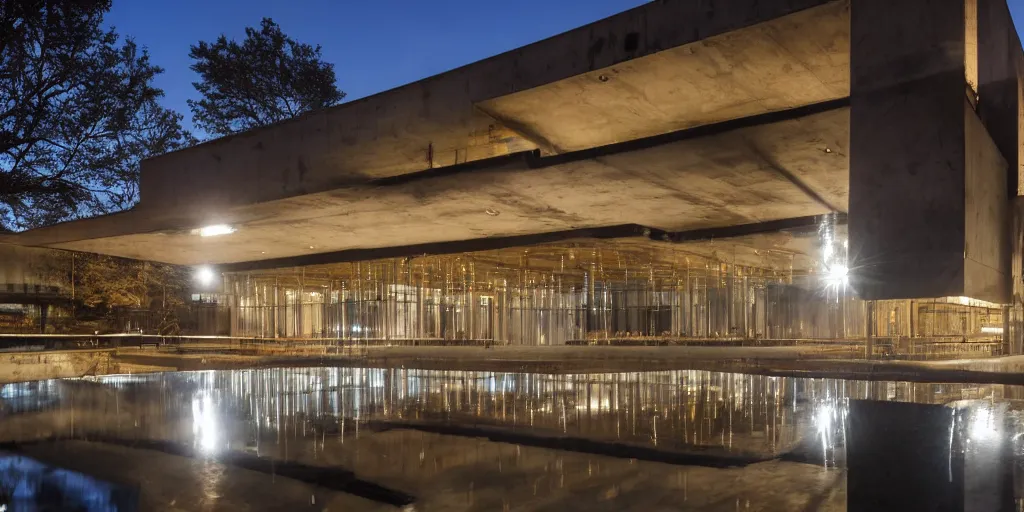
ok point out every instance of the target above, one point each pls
(453, 440)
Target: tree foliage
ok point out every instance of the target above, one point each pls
(78, 112)
(266, 78)
(105, 283)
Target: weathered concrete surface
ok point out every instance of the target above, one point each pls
(724, 179)
(928, 198)
(1001, 78)
(987, 247)
(28, 366)
(787, 62)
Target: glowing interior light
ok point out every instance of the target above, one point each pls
(838, 274)
(215, 230)
(992, 330)
(205, 276)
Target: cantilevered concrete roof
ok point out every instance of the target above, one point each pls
(677, 115)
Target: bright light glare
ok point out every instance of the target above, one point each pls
(216, 230)
(983, 425)
(823, 418)
(992, 330)
(204, 424)
(205, 276)
(838, 275)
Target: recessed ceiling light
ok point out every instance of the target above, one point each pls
(492, 212)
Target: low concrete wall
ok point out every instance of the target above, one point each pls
(27, 366)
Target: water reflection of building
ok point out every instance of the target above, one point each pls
(674, 410)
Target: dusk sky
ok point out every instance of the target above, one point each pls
(374, 45)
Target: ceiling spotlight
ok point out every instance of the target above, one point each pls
(492, 212)
(214, 230)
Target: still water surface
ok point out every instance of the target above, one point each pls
(440, 440)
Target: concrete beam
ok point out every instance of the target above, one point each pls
(798, 59)
(706, 177)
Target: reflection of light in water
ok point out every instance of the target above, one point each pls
(743, 413)
(204, 423)
(983, 425)
(824, 417)
(830, 422)
(952, 429)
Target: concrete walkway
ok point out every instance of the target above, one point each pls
(811, 362)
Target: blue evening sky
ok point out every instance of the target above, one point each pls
(375, 45)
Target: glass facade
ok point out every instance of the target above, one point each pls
(594, 292)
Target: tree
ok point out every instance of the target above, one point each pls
(104, 284)
(266, 78)
(78, 112)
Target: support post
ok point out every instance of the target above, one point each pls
(869, 329)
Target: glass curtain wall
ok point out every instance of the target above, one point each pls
(555, 295)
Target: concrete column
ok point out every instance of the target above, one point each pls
(999, 107)
(928, 199)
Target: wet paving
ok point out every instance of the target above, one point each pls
(387, 439)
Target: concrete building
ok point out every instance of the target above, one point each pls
(812, 143)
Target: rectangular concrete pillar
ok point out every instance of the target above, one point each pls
(928, 200)
(999, 105)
